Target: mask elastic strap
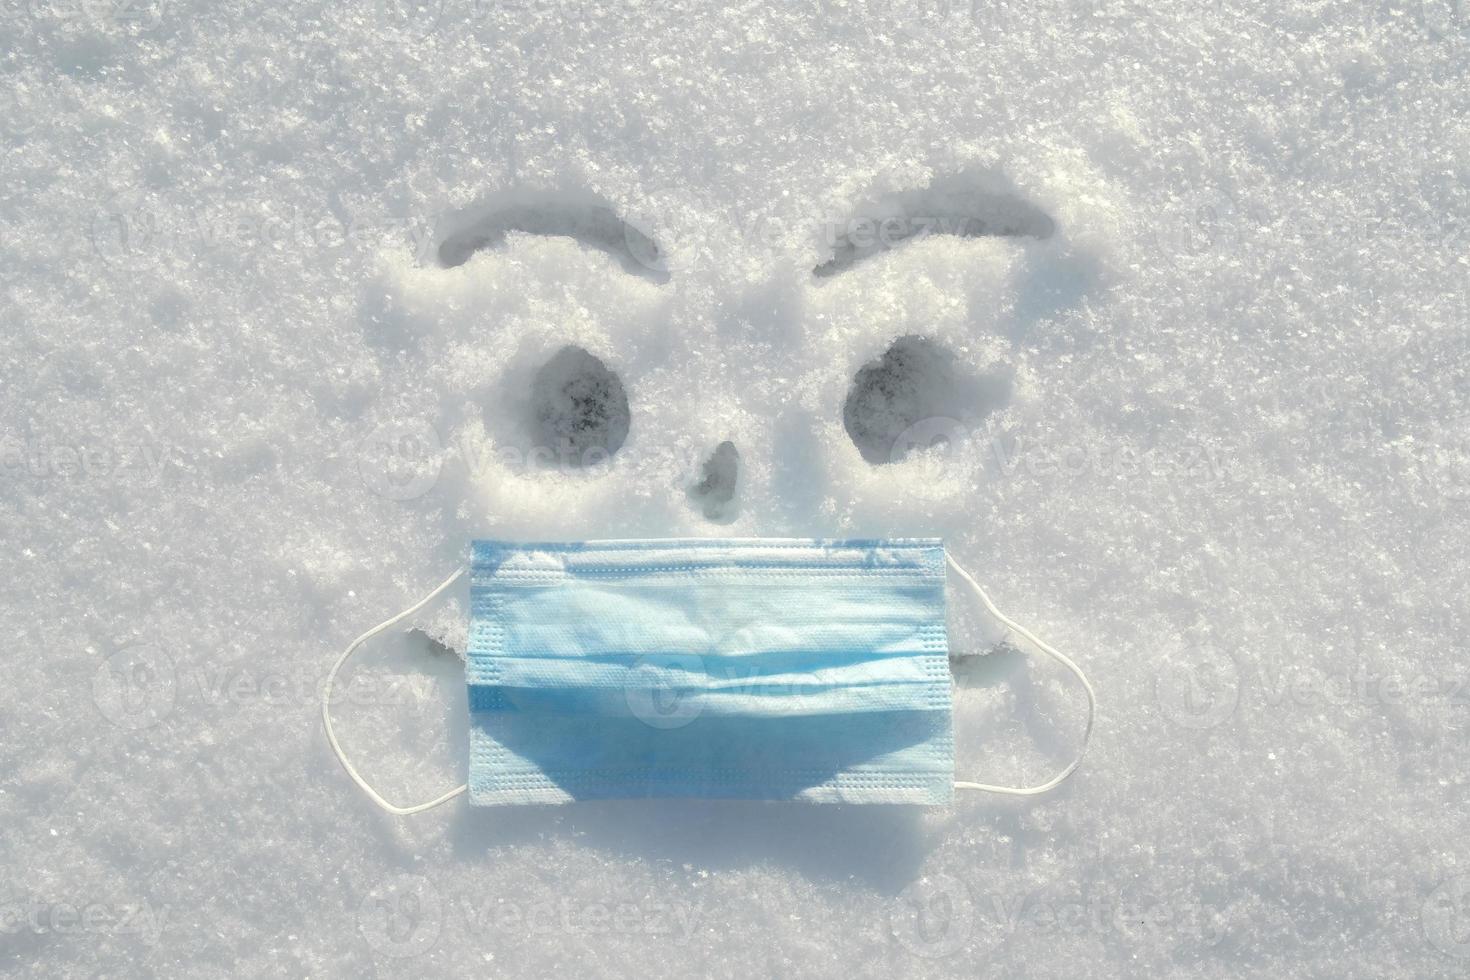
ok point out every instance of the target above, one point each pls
(1060, 658)
(327, 704)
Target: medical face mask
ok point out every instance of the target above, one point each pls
(772, 669)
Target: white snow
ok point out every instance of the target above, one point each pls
(1200, 392)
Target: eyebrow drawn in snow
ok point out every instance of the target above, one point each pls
(963, 205)
(589, 219)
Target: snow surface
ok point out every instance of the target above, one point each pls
(285, 291)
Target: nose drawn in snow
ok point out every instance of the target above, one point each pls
(579, 215)
(714, 494)
(963, 205)
(914, 396)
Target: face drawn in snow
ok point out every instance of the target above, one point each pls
(583, 358)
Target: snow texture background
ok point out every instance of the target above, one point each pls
(291, 295)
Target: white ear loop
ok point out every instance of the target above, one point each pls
(327, 704)
(1060, 658)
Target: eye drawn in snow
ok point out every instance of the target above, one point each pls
(914, 398)
(579, 409)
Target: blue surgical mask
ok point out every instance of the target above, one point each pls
(773, 669)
